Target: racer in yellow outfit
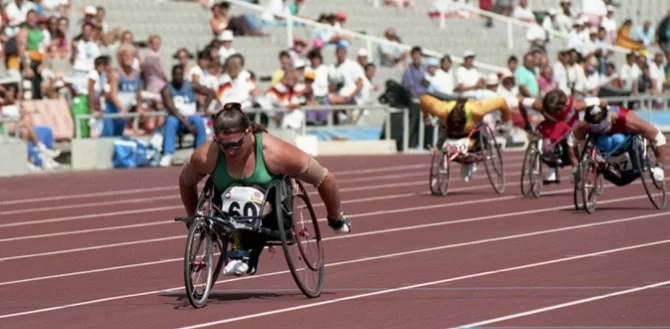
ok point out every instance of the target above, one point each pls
(462, 115)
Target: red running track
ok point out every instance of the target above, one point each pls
(100, 250)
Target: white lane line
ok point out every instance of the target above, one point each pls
(567, 304)
(386, 256)
(130, 226)
(423, 284)
(174, 187)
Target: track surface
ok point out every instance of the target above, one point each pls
(100, 250)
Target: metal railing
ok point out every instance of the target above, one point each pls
(303, 130)
(290, 19)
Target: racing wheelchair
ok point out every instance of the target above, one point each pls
(281, 215)
(539, 151)
(622, 165)
(485, 149)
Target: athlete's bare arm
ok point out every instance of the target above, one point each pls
(284, 158)
(529, 103)
(201, 163)
(578, 134)
(648, 131)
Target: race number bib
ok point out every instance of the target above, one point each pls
(242, 201)
(622, 162)
(461, 144)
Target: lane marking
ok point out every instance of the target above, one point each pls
(425, 284)
(368, 214)
(568, 304)
(95, 301)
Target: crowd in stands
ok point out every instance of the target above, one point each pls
(35, 39)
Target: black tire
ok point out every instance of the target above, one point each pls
(527, 163)
(589, 184)
(490, 152)
(438, 171)
(220, 246)
(656, 190)
(578, 187)
(198, 229)
(291, 239)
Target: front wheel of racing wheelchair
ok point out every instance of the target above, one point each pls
(294, 228)
(656, 190)
(531, 169)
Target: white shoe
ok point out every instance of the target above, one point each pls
(32, 167)
(551, 175)
(658, 174)
(48, 162)
(166, 160)
(236, 267)
(41, 148)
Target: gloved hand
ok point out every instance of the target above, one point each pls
(574, 177)
(505, 127)
(528, 128)
(658, 174)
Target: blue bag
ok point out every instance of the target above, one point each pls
(133, 153)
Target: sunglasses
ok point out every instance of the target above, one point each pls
(231, 145)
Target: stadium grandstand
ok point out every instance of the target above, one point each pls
(275, 55)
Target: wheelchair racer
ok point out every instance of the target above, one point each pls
(242, 153)
(610, 125)
(461, 116)
(561, 114)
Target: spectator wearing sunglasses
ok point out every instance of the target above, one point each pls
(180, 102)
(244, 154)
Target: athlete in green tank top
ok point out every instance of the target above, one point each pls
(261, 176)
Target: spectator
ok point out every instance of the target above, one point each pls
(546, 81)
(663, 34)
(184, 57)
(593, 79)
(125, 92)
(644, 34)
(320, 84)
(284, 63)
(283, 95)
(328, 34)
(199, 74)
(17, 12)
(468, 79)
(508, 88)
(526, 79)
(550, 23)
(610, 26)
(84, 52)
(565, 18)
(657, 72)
(225, 45)
(154, 76)
(219, 20)
(91, 102)
(59, 44)
(400, 3)
(594, 11)
(536, 35)
(644, 84)
(576, 74)
(512, 63)
(415, 73)
(362, 57)
(128, 39)
(31, 47)
(443, 81)
(299, 50)
(179, 98)
(624, 38)
(392, 55)
(350, 75)
(432, 66)
(560, 72)
(56, 8)
(630, 71)
(523, 13)
(505, 7)
(610, 78)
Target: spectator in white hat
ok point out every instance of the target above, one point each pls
(468, 78)
(226, 45)
(362, 57)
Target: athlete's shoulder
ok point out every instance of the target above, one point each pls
(280, 155)
(203, 159)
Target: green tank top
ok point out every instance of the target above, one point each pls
(261, 176)
(35, 36)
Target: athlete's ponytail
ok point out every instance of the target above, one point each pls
(232, 119)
